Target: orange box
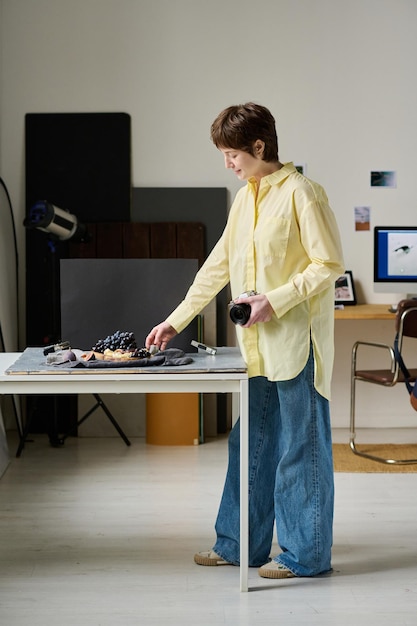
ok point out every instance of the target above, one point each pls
(172, 419)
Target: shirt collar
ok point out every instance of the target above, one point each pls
(276, 178)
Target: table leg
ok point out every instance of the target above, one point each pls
(244, 485)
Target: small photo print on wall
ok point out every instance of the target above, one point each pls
(384, 179)
(362, 218)
(345, 290)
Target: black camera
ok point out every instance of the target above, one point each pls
(240, 313)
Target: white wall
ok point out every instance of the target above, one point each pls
(339, 77)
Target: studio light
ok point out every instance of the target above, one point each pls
(58, 222)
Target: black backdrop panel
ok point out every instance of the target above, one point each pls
(81, 162)
(100, 296)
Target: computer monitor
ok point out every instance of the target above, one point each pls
(395, 259)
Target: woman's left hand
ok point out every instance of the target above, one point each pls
(261, 310)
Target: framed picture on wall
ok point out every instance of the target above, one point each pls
(345, 289)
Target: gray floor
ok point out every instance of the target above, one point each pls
(99, 534)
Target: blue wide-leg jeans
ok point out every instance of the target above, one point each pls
(290, 477)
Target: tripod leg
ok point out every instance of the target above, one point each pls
(100, 403)
(111, 418)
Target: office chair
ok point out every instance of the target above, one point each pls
(406, 328)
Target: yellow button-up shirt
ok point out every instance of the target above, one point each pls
(281, 239)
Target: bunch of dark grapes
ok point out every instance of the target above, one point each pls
(120, 340)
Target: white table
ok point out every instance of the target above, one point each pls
(223, 373)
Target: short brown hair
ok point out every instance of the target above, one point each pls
(239, 126)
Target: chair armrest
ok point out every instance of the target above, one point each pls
(378, 346)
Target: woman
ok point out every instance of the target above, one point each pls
(281, 241)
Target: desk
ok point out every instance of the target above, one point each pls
(364, 312)
(225, 372)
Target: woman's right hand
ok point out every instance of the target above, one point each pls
(160, 335)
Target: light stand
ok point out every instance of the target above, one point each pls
(60, 225)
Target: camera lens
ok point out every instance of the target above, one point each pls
(240, 313)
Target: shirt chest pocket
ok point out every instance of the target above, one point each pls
(271, 237)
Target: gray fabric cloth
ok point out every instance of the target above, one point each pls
(168, 357)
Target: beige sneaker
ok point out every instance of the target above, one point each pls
(275, 570)
(209, 558)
